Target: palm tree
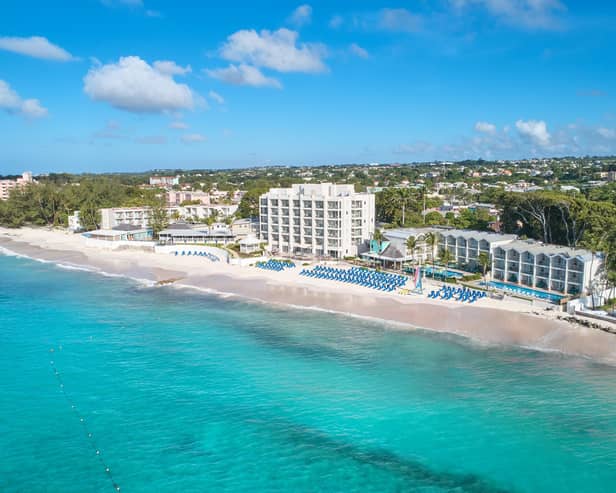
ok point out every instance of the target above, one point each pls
(378, 237)
(484, 261)
(430, 239)
(411, 246)
(445, 256)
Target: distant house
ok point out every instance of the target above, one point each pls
(164, 181)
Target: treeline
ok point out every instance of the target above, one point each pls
(403, 207)
(51, 202)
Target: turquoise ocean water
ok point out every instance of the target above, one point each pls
(184, 392)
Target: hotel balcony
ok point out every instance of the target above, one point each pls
(527, 280)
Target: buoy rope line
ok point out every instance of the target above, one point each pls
(84, 425)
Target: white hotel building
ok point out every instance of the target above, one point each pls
(465, 246)
(140, 216)
(316, 219)
(550, 267)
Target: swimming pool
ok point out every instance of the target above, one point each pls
(534, 293)
(442, 273)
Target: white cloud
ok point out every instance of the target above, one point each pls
(392, 20)
(567, 140)
(535, 130)
(276, 50)
(607, 133)
(167, 67)
(178, 125)
(533, 14)
(485, 127)
(216, 97)
(400, 20)
(193, 138)
(357, 50)
(36, 47)
(12, 103)
(243, 75)
(133, 85)
(31, 108)
(301, 15)
(336, 21)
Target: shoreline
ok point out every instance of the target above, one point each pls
(492, 322)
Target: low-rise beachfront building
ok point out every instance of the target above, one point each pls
(548, 267)
(140, 216)
(465, 246)
(200, 212)
(250, 244)
(123, 232)
(394, 250)
(244, 227)
(317, 220)
(184, 234)
(115, 216)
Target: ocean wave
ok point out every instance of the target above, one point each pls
(147, 283)
(10, 253)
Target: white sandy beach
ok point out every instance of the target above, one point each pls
(506, 322)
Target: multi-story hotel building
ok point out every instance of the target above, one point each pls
(316, 219)
(550, 267)
(140, 216)
(6, 186)
(465, 246)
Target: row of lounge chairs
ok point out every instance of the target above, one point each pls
(195, 253)
(383, 281)
(464, 295)
(276, 265)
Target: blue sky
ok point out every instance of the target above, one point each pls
(123, 85)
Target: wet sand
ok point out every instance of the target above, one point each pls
(489, 321)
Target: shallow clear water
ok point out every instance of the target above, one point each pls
(185, 392)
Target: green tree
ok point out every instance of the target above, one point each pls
(445, 256)
(411, 245)
(249, 205)
(431, 240)
(484, 262)
(159, 218)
